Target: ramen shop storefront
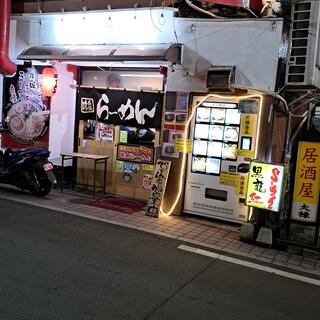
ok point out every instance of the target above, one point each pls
(119, 108)
(119, 114)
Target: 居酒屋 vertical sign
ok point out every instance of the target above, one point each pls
(307, 182)
(265, 186)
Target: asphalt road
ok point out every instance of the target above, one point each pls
(57, 266)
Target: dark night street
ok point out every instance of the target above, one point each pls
(57, 266)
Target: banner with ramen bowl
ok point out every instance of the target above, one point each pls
(26, 111)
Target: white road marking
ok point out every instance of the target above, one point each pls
(250, 265)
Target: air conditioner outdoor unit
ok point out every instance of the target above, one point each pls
(303, 64)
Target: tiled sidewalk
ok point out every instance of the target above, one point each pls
(195, 231)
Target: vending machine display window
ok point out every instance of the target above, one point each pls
(199, 164)
(218, 115)
(229, 151)
(216, 136)
(216, 132)
(214, 149)
(201, 131)
(203, 115)
(213, 165)
(231, 134)
(233, 116)
(200, 147)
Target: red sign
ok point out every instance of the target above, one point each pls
(134, 153)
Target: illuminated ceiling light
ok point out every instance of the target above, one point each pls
(84, 9)
(141, 75)
(109, 22)
(162, 19)
(135, 11)
(62, 12)
(186, 130)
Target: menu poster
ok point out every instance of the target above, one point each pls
(175, 120)
(123, 136)
(105, 132)
(119, 166)
(89, 129)
(147, 181)
(26, 111)
(182, 101)
(169, 150)
(174, 135)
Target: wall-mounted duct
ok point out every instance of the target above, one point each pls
(6, 65)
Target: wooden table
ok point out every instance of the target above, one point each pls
(97, 159)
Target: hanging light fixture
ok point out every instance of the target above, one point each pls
(109, 22)
(84, 9)
(49, 79)
(135, 11)
(162, 19)
(62, 12)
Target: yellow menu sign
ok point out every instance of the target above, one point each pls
(307, 182)
(229, 178)
(242, 186)
(247, 123)
(180, 145)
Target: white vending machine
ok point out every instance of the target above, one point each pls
(223, 132)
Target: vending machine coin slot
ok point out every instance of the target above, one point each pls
(216, 194)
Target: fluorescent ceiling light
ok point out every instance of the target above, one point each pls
(141, 75)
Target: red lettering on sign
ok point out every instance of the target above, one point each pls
(254, 198)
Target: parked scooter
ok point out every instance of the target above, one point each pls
(28, 169)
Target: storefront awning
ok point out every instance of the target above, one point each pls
(105, 53)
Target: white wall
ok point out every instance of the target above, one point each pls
(249, 44)
(252, 45)
(62, 116)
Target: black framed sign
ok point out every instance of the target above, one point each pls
(121, 107)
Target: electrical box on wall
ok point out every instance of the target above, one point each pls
(303, 65)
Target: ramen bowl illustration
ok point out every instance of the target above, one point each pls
(26, 124)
